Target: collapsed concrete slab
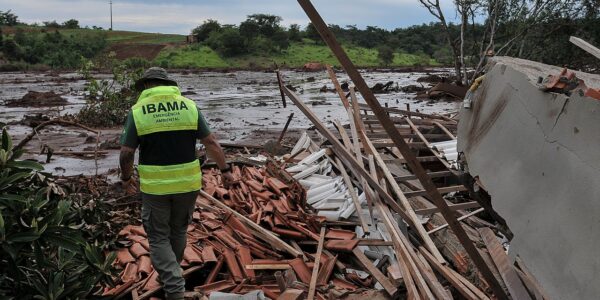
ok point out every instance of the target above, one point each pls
(538, 156)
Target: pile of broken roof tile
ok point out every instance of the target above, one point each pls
(225, 255)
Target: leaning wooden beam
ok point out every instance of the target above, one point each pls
(264, 234)
(338, 88)
(429, 244)
(424, 140)
(507, 270)
(445, 272)
(587, 47)
(313, 279)
(445, 130)
(412, 162)
(395, 234)
(380, 277)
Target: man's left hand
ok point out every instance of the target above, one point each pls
(228, 179)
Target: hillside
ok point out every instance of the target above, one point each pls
(171, 51)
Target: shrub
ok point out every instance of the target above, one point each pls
(43, 252)
(385, 55)
(109, 101)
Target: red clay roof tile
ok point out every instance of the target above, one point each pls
(138, 250)
(130, 273)
(144, 266)
(341, 245)
(124, 257)
(301, 270)
(340, 234)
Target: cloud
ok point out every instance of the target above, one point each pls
(180, 16)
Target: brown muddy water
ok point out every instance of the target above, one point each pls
(242, 107)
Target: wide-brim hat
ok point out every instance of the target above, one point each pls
(154, 73)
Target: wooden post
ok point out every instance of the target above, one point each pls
(289, 120)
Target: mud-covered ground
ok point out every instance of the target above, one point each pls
(241, 107)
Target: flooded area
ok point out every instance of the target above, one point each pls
(240, 107)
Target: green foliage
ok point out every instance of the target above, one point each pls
(198, 56)
(294, 33)
(311, 32)
(268, 25)
(8, 18)
(385, 55)
(71, 24)
(227, 41)
(249, 30)
(53, 49)
(52, 24)
(190, 57)
(203, 31)
(281, 39)
(109, 101)
(43, 252)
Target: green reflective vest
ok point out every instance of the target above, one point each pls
(162, 109)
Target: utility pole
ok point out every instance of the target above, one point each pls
(111, 27)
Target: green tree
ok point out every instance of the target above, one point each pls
(385, 55)
(8, 18)
(227, 42)
(12, 50)
(268, 24)
(281, 39)
(52, 24)
(71, 24)
(311, 32)
(294, 33)
(249, 29)
(203, 31)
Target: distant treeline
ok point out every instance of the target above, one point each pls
(47, 47)
(546, 42)
(532, 29)
(50, 48)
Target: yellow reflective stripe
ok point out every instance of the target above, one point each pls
(192, 183)
(161, 111)
(171, 171)
(171, 179)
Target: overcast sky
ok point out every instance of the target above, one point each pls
(180, 16)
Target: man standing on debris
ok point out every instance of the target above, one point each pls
(165, 126)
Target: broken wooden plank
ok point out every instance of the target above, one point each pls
(454, 207)
(315, 272)
(587, 47)
(458, 219)
(413, 177)
(376, 273)
(442, 190)
(282, 266)
(263, 233)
